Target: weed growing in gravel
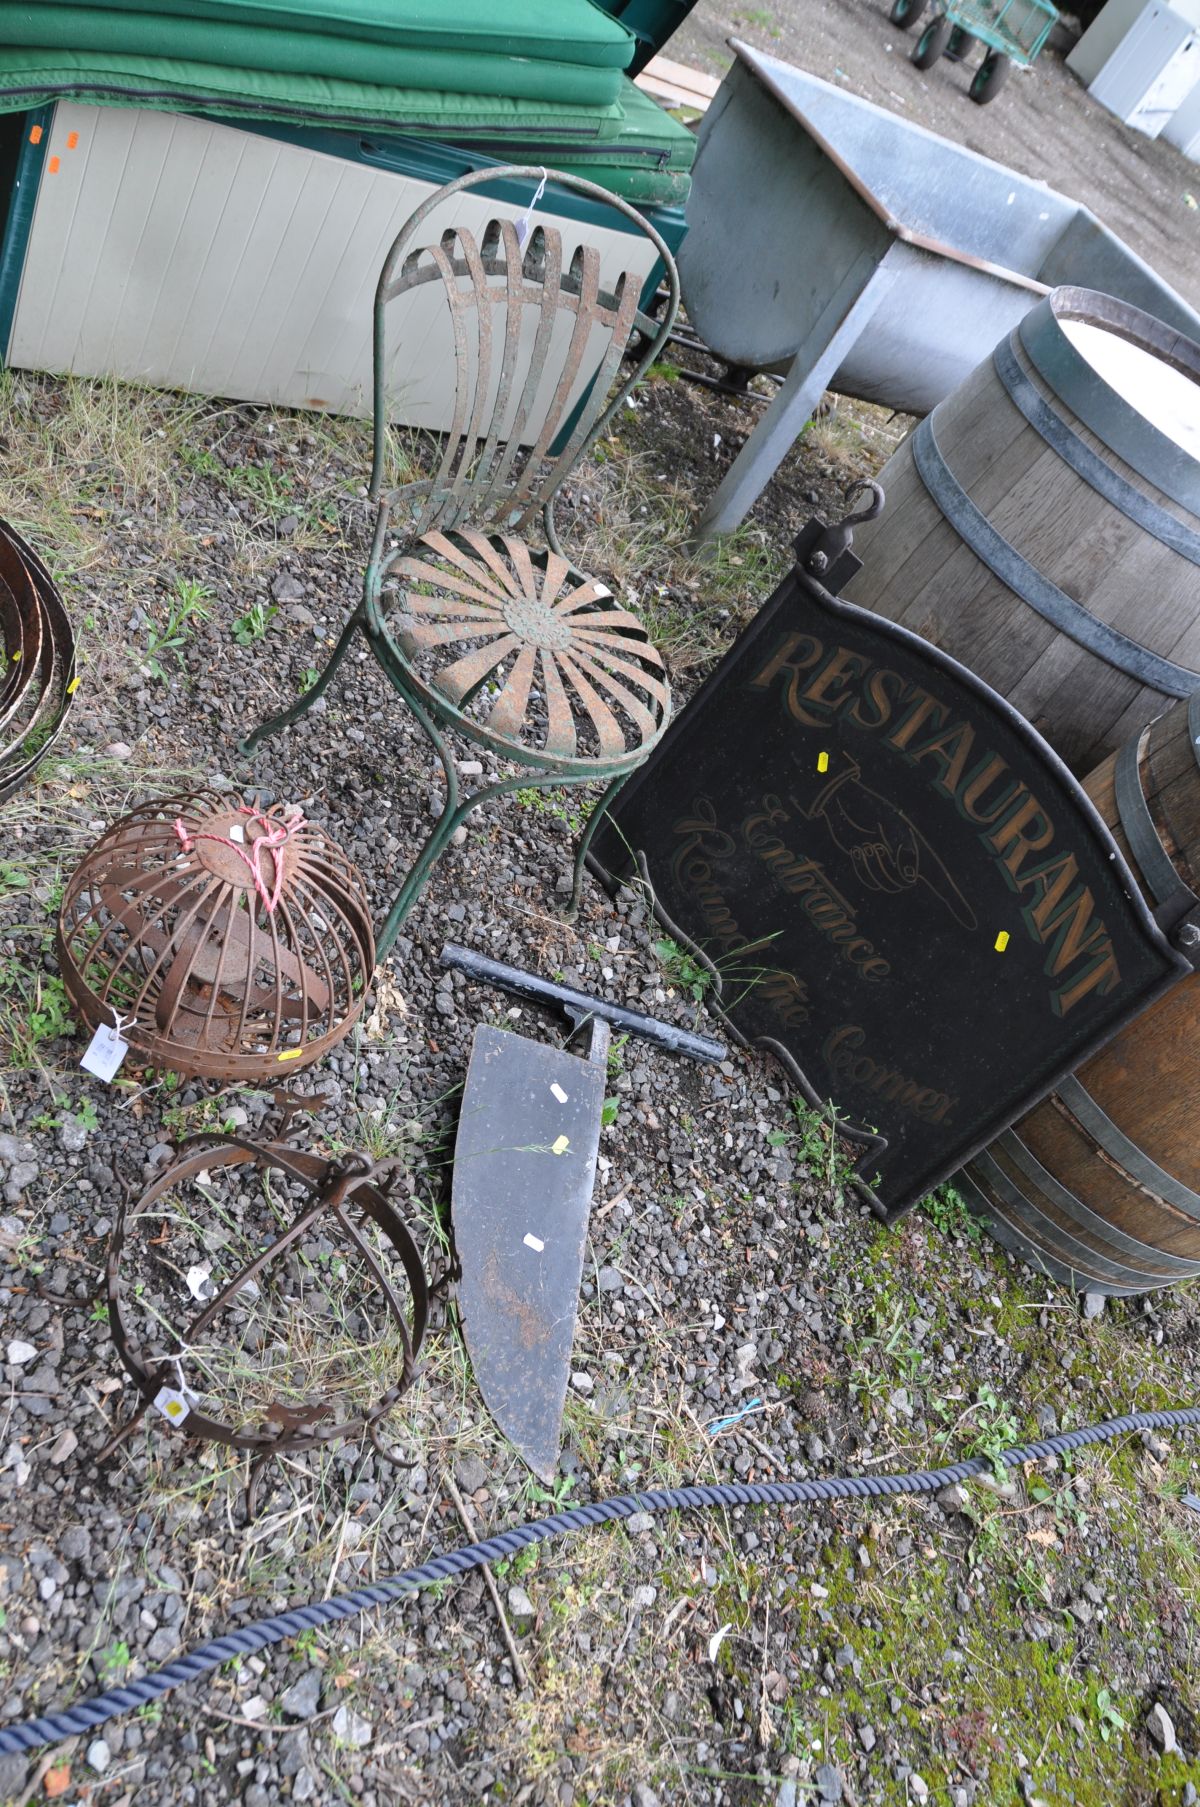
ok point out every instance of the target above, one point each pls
(949, 1212)
(254, 623)
(816, 1142)
(986, 1428)
(188, 604)
(683, 969)
(114, 1661)
(566, 806)
(35, 1011)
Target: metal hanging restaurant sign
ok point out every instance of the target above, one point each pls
(907, 896)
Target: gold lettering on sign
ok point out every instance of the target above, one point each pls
(830, 913)
(701, 843)
(841, 1053)
(817, 684)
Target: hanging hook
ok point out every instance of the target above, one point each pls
(839, 538)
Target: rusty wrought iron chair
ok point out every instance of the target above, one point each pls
(480, 629)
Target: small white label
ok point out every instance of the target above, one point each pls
(602, 590)
(535, 1243)
(173, 1405)
(236, 832)
(560, 1145)
(559, 1093)
(104, 1054)
(199, 1283)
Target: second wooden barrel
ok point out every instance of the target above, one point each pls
(1099, 1186)
(1043, 523)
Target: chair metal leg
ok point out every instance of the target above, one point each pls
(451, 818)
(286, 717)
(585, 841)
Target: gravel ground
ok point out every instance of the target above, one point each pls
(1029, 1642)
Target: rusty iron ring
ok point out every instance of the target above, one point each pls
(332, 1184)
(161, 925)
(37, 684)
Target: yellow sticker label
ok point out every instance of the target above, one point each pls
(560, 1144)
(290, 1054)
(16, 656)
(822, 762)
(1001, 941)
(73, 686)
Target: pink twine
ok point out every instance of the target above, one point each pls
(278, 835)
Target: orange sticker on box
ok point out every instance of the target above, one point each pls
(72, 140)
(52, 166)
(35, 137)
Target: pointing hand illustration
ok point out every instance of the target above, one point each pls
(887, 851)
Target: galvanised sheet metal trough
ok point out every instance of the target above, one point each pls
(870, 255)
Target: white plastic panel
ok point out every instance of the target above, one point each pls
(189, 255)
(1150, 70)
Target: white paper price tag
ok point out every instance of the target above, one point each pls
(173, 1405)
(104, 1055)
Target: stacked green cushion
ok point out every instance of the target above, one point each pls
(483, 74)
(469, 68)
(569, 31)
(631, 135)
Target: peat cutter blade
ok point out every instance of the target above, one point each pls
(524, 1169)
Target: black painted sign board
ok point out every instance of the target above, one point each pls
(908, 896)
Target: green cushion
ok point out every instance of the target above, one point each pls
(632, 147)
(566, 31)
(643, 186)
(646, 138)
(247, 46)
(30, 78)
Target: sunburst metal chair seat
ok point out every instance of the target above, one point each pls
(480, 628)
(525, 654)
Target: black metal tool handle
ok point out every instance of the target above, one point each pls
(579, 1004)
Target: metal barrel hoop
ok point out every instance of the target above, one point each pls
(332, 1188)
(37, 646)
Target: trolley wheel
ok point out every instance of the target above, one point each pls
(990, 77)
(931, 43)
(960, 43)
(906, 12)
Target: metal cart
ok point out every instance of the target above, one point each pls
(1012, 31)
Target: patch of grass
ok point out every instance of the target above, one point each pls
(838, 439)
(637, 532)
(766, 21)
(34, 1011)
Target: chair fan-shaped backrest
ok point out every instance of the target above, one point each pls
(538, 338)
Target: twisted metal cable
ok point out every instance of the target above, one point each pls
(194, 1664)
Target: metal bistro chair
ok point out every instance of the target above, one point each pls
(479, 629)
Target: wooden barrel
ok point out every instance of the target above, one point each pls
(1099, 1185)
(1043, 523)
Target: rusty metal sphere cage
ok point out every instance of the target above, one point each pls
(225, 942)
(38, 680)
